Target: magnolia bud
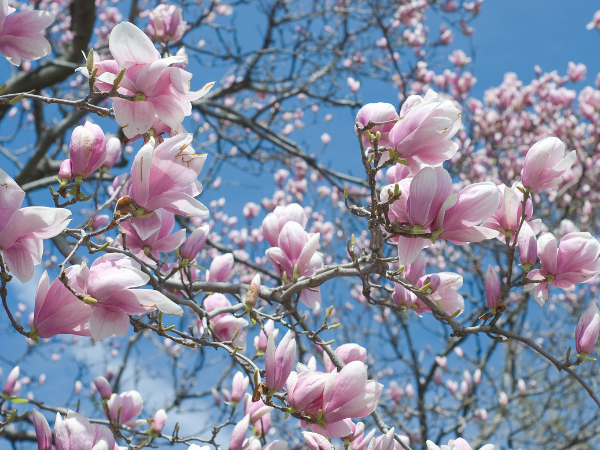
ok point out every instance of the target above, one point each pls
(103, 387)
(253, 291)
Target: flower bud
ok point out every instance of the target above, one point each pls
(239, 386)
(87, 151)
(103, 387)
(492, 288)
(545, 163)
(113, 153)
(166, 23)
(64, 172)
(11, 381)
(194, 243)
(279, 361)
(253, 291)
(42, 430)
(159, 421)
(586, 333)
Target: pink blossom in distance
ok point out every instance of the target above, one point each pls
(166, 23)
(588, 327)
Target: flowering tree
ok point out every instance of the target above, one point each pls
(428, 301)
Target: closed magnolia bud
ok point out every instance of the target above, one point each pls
(159, 420)
(42, 430)
(545, 163)
(586, 333)
(503, 398)
(527, 246)
(239, 386)
(64, 171)
(87, 151)
(11, 381)
(113, 153)
(221, 269)
(194, 243)
(492, 288)
(103, 387)
(253, 291)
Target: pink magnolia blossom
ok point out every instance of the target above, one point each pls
(353, 84)
(545, 163)
(418, 206)
(165, 177)
(239, 386)
(22, 33)
(113, 152)
(160, 91)
(595, 23)
(159, 421)
(376, 112)
(280, 361)
(166, 23)
(462, 215)
(194, 243)
(22, 230)
(588, 327)
(261, 341)
(458, 444)
(108, 285)
(347, 353)
(443, 290)
(492, 288)
(239, 433)
(575, 261)
(42, 430)
(274, 222)
(103, 387)
(58, 311)
(161, 241)
(527, 246)
(297, 256)
(422, 135)
(361, 441)
(224, 325)
(11, 381)
(76, 432)
(507, 218)
(125, 407)
(256, 410)
(317, 442)
(344, 395)
(576, 71)
(387, 442)
(65, 174)
(87, 150)
(221, 268)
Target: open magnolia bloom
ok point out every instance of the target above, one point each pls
(107, 286)
(22, 33)
(160, 91)
(22, 230)
(164, 177)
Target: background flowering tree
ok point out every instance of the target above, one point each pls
(435, 282)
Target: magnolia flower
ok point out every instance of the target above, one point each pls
(224, 325)
(164, 177)
(588, 327)
(279, 362)
(317, 442)
(221, 268)
(575, 261)
(423, 133)
(11, 381)
(339, 396)
(297, 256)
(166, 23)
(387, 442)
(159, 421)
(507, 218)
(274, 222)
(22, 33)
(492, 288)
(160, 91)
(261, 341)
(239, 386)
(22, 230)
(443, 290)
(125, 407)
(76, 432)
(347, 353)
(194, 243)
(107, 286)
(161, 241)
(256, 410)
(87, 150)
(42, 430)
(239, 433)
(545, 163)
(103, 387)
(113, 152)
(377, 113)
(412, 273)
